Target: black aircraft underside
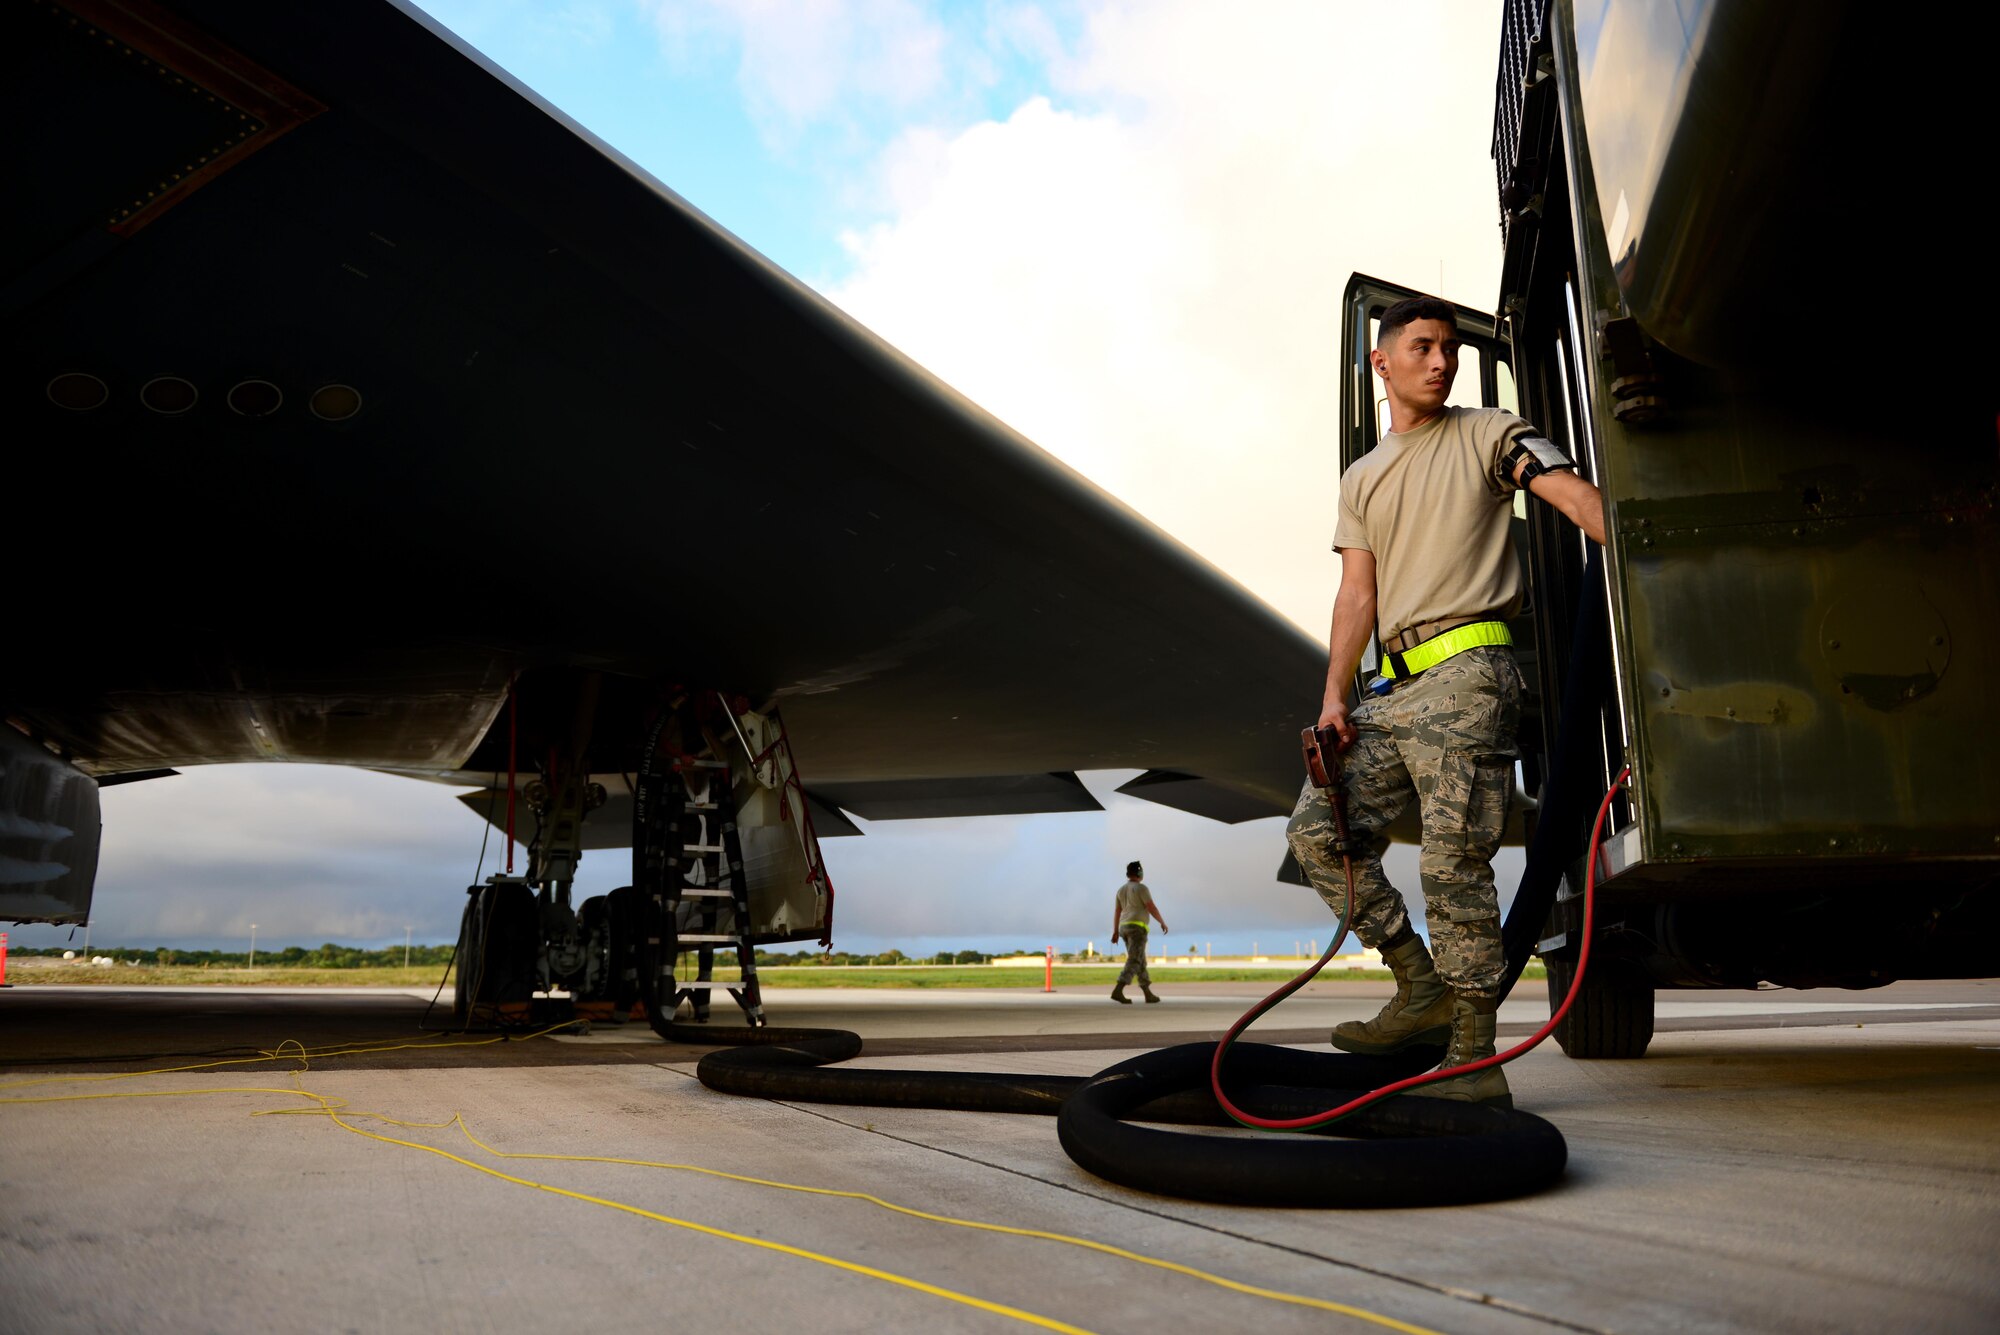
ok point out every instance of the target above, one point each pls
(352, 384)
(596, 433)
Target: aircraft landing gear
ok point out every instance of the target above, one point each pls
(713, 777)
(524, 953)
(560, 803)
(611, 927)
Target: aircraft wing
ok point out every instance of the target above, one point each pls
(353, 382)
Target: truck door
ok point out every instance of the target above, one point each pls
(1485, 380)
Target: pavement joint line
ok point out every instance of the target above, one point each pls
(1470, 1298)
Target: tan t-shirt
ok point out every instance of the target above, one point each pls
(1133, 900)
(1432, 505)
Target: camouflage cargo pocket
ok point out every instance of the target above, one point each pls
(1469, 805)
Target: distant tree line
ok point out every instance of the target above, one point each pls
(328, 956)
(766, 958)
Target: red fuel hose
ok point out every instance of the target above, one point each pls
(1355, 1105)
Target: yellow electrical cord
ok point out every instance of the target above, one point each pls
(335, 1109)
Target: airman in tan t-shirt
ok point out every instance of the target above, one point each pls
(1424, 548)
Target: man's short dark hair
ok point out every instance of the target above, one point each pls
(1414, 308)
(1134, 869)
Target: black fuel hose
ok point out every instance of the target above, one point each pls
(777, 1063)
(1403, 1151)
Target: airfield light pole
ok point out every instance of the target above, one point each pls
(253, 948)
(406, 945)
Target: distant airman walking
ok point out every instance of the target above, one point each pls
(1128, 920)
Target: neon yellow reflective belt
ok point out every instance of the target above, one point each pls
(1437, 648)
(1140, 924)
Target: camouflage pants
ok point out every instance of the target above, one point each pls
(1446, 738)
(1135, 959)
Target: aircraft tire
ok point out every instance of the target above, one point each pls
(1611, 1018)
(627, 928)
(464, 961)
(511, 934)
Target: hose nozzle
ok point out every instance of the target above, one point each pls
(1322, 754)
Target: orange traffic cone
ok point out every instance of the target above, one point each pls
(3, 961)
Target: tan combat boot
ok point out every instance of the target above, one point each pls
(1420, 1012)
(1472, 1026)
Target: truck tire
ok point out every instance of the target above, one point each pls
(1612, 1016)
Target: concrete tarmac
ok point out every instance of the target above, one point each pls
(1780, 1161)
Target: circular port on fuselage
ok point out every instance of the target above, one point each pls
(169, 395)
(255, 398)
(335, 403)
(78, 391)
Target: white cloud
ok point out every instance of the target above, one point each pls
(1024, 30)
(804, 60)
(1150, 289)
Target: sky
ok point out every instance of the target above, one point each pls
(1123, 228)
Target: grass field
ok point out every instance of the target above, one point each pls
(31, 972)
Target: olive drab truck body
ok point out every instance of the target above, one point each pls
(1803, 569)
